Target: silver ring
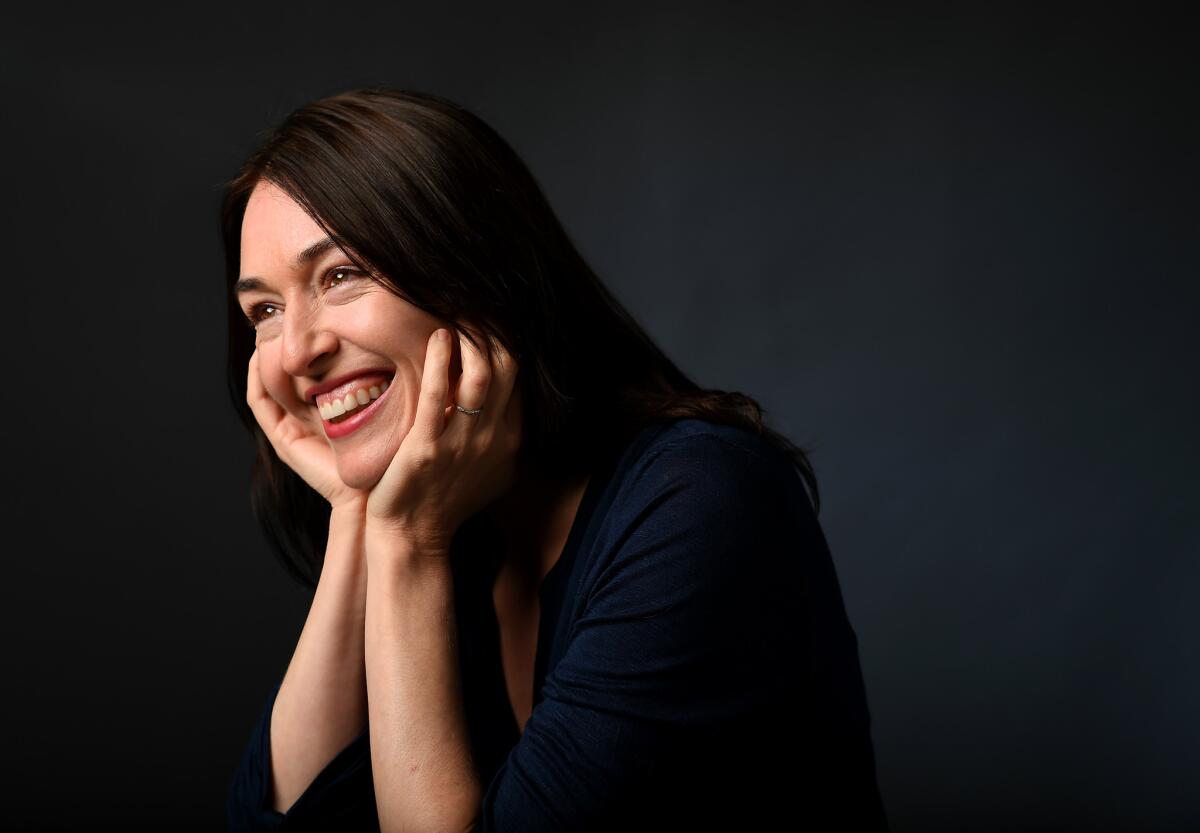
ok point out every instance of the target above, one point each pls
(468, 411)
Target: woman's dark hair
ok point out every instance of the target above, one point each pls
(430, 201)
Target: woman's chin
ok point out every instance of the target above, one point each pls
(361, 465)
(359, 477)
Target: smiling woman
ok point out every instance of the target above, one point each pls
(326, 333)
(558, 585)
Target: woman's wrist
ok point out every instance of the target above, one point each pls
(402, 549)
(349, 509)
(347, 524)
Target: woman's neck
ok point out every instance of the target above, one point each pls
(535, 518)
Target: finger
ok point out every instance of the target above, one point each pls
(266, 410)
(435, 384)
(474, 387)
(506, 387)
(476, 377)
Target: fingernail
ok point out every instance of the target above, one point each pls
(443, 335)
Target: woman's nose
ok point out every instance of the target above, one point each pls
(305, 342)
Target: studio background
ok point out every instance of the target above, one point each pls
(952, 250)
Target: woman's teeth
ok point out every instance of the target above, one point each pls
(337, 409)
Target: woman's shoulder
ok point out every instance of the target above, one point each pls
(707, 452)
(700, 481)
(706, 520)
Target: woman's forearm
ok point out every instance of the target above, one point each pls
(420, 749)
(322, 702)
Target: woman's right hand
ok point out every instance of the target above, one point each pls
(303, 451)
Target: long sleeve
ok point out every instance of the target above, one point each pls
(341, 797)
(711, 677)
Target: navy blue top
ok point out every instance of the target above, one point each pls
(695, 666)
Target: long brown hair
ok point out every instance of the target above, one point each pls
(429, 200)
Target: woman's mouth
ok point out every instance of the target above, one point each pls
(352, 405)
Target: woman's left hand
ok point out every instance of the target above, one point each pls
(450, 465)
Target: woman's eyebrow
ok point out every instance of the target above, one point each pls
(249, 283)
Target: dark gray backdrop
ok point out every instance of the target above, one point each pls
(952, 250)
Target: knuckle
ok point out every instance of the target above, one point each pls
(424, 457)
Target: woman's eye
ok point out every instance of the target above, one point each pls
(341, 270)
(258, 313)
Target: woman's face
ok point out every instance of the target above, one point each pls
(323, 319)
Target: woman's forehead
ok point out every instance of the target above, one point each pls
(275, 231)
(271, 209)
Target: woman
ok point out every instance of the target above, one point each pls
(557, 585)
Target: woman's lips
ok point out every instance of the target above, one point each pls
(359, 416)
(349, 387)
